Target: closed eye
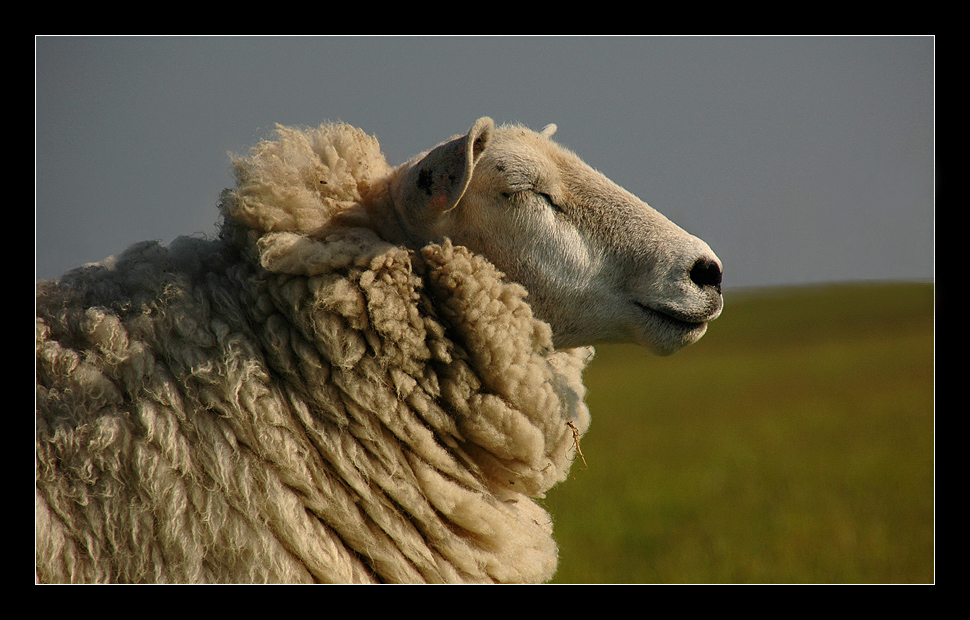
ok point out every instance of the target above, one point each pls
(523, 193)
(552, 203)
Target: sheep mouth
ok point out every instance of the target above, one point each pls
(672, 318)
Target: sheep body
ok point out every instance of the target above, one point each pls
(300, 399)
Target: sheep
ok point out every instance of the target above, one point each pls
(369, 376)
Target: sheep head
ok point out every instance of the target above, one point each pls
(600, 265)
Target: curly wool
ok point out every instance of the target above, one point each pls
(298, 401)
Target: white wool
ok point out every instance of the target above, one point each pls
(304, 178)
(299, 400)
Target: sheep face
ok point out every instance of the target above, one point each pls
(600, 265)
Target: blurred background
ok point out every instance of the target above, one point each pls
(795, 441)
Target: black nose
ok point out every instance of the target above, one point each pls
(706, 272)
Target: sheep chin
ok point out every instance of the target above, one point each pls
(665, 332)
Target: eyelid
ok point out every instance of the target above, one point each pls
(532, 189)
(548, 198)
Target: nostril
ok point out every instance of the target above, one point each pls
(706, 272)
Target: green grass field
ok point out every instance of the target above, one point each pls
(793, 444)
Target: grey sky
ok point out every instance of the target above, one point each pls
(798, 159)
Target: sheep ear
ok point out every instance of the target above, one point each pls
(435, 183)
